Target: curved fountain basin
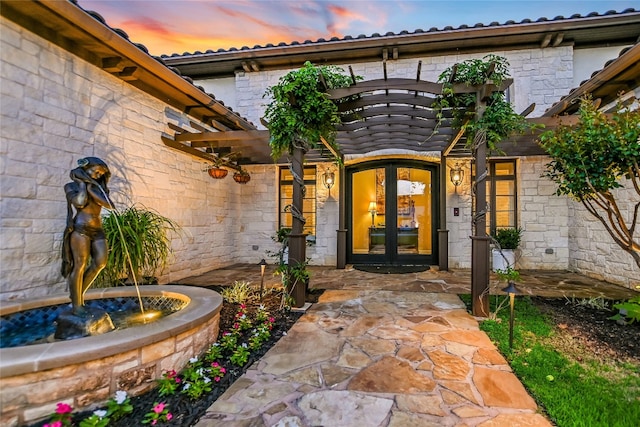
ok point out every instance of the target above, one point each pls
(86, 372)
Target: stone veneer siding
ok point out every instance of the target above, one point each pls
(592, 249)
(56, 109)
(89, 385)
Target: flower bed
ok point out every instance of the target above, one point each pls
(182, 398)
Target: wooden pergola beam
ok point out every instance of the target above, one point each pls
(249, 135)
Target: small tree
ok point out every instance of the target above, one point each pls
(589, 161)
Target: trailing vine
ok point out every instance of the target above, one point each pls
(300, 111)
(499, 120)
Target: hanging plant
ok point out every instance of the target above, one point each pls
(300, 111)
(242, 176)
(216, 172)
(499, 120)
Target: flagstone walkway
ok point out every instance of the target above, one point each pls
(379, 358)
(387, 350)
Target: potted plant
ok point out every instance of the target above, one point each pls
(138, 245)
(506, 241)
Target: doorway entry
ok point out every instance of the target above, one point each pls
(392, 213)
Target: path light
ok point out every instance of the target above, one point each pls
(511, 290)
(263, 265)
(457, 175)
(328, 179)
(373, 207)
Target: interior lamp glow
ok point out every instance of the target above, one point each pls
(373, 207)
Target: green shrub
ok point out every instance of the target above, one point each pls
(508, 238)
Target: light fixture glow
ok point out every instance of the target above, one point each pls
(457, 175)
(328, 180)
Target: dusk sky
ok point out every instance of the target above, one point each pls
(178, 26)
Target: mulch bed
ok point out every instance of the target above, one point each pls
(586, 332)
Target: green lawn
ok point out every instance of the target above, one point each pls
(589, 393)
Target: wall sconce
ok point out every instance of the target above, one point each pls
(328, 180)
(511, 290)
(457, 175)
(263, 265)
(373, 207)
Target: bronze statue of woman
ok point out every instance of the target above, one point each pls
(85, 251)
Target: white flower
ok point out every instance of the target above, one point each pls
(186, 386)
(121, 396)
(193, 360)
(261, 307)
(100, 413)
(244, 344)
(207, 380)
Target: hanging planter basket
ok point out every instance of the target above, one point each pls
(241, 177)
(217, 173)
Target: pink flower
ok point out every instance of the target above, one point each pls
(236, 326)
(54, 424)
(63, 408)
(272, 319)
(215, 364)
(172, 373)
(169, 416)
(154, 422)
(177, 380)
(159, 408)
(223, 370)
(243, 306)
(217, 379)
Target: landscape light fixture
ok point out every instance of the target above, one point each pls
(328, 180)
(511, 290)
(373, 207)
(457, 175)
(263, 265)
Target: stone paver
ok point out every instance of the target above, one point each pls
(387, 350)
(379, 358)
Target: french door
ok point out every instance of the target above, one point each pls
(391, 213)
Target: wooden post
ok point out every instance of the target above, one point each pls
(341, 252)
(480, 240)
(443, 232)
(297, 238)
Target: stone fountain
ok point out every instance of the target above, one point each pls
(86, 361)
(86, 372)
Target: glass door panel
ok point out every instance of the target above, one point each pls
(414, 212)
(391, 215)
(368, 209)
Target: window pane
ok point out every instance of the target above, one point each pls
(505, 188)
(505, 168)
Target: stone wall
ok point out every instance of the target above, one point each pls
(593, 251)
(544, 218)
(57, 109)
